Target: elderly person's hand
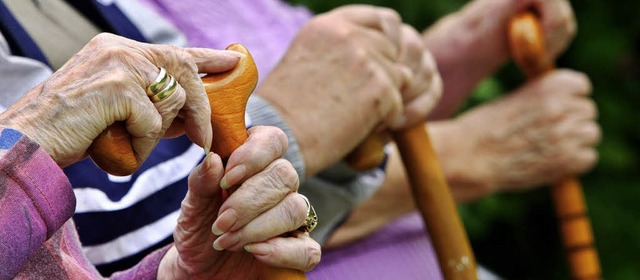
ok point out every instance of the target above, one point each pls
(472, 43)
(357, 81)
(540, 133)
(256, 217)
(536, 135)
(111, 75)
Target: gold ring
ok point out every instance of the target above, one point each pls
(168, 90)
(312, 218)
(158, 83)
(162, 87)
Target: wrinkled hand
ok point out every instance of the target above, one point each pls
(489, 29)
(558, 24)
(471, 44)
(342, 70)
(253, 218)
(423, 89)
(106, 82)
(533, 136)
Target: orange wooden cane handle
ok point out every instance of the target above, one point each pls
(527, 45)
(228, 94)
(112, 151)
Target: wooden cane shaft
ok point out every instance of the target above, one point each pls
(528, 50)
(434, 200)
(575, 229)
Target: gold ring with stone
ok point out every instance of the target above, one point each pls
(312, 218)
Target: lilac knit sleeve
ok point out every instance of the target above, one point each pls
(36, 199)
(146, 269)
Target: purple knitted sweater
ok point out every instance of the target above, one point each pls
(37, 238)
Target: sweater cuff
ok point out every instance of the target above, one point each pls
(40, 178)
(260, 112)
(145, 269)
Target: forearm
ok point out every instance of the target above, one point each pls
(468, 46)
(395, 197)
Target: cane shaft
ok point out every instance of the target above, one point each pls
(434, 200)
(528, 50)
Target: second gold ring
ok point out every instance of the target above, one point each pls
(162, 87)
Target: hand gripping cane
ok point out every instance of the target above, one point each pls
(528, 50)
(431, 194)
(228, 93)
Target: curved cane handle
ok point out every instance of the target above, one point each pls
(112, 151)
(228, 94)
(528, 50)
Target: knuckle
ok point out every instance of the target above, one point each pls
(101, 39)
(112, 51)
(429, 62)
(390, 15)
(278, 140)
(314, 254)
(412, 40)
(586, 162)
(326, 27)
(584, 83)
(595, 133)
(284, 175)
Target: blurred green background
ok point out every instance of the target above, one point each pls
(516, 234)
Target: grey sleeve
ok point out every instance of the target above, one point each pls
(18, 75)
(153, 27)
(260, 112)
(333, 192)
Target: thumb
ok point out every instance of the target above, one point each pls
(204, 180)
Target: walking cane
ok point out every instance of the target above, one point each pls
(528, 50)
(431, 194)
(228, 94)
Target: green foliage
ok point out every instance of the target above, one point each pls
(516, 234)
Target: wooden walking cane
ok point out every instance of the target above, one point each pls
(228, 94)
(528, 50)
(431, 194)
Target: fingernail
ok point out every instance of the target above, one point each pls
(233, 176)
(207, 147)
(258, 248)
(224, 222)
(217, 246)
(233, 53)
(206, 164)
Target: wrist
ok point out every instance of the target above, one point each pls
(481, 38)
(455, 144)
(169, 268)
